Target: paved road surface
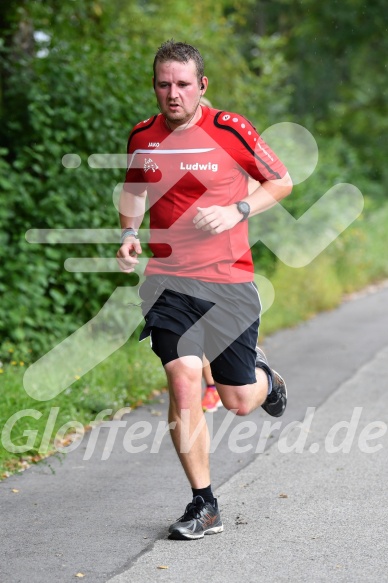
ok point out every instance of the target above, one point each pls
(308, 516)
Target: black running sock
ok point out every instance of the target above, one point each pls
(206, 493)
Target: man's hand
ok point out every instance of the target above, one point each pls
(217, 219)
(127, 254)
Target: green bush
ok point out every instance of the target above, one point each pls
(76, 101)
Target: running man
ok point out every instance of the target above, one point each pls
(193, 163)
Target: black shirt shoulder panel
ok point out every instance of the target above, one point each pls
(228, 121)
(140, 127)
(223, 120)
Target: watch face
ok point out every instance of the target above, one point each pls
(244, 209)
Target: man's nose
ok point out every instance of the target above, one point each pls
(173, 91)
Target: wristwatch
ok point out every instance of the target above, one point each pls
(243, 208)
(130, 232)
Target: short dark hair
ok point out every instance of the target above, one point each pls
(181, 52)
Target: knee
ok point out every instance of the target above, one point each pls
(181, 394)
(243, 410)
(184, 387)
(238, 406)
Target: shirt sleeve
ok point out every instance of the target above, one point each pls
(248, 148)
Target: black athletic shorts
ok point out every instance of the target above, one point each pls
(190, 317)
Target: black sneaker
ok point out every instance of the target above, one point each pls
(200, 518)
(276, 401)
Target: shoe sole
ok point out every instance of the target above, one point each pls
(177, 535)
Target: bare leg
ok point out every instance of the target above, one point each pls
(190, 435)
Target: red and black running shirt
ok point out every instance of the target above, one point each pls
(207, 164)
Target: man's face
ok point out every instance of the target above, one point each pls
(178, 91)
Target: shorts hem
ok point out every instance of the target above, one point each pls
(233, 383)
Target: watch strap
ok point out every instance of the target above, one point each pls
(130, 232)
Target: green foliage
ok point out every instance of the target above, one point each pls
(76, 102)
(355, 259)
(360, 255)
(335, 50)
(301, 293)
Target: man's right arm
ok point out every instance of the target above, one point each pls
(132, 209)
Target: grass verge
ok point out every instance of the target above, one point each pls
(129, 377)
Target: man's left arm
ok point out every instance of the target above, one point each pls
(217, 219)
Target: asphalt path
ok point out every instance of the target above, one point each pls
(296, 507)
